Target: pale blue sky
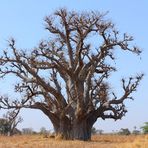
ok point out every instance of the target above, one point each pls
(23, 20)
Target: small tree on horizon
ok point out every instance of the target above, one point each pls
(136, 131)
(9, 123)
(4, 126)
(66, 77)
(13, 120)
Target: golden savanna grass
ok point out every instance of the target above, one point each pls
(101, 141)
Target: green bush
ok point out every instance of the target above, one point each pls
(145, 128)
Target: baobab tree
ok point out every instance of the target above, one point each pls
(66, 77)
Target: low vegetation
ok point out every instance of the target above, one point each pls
(101, 141)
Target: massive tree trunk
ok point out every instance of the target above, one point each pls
(69, 128)
(63, 128)
(76, 129)
(82, 130)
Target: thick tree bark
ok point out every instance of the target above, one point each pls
(63, 130)
(82, 131)
(76, 130)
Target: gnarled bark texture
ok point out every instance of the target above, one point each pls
(79, 130)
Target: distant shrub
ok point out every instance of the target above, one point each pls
(136, 132)
(43, 131)
(27, 131)
(124, 131)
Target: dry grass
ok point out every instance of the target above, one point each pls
(103, 141)
(139, 142)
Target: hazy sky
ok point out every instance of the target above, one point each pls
(24, 20)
